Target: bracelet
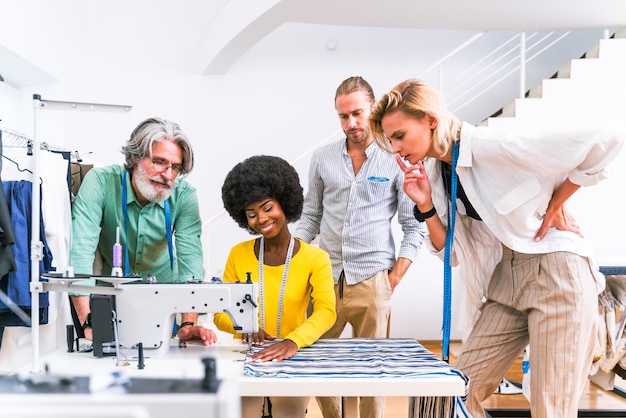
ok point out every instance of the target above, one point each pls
(421, 217)
(186, 324)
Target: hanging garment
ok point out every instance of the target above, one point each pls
(16, 349)
(7, 237)
(17, 283)
(55, 197)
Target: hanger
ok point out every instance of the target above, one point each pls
(17, 140)
(20, 168)
(17, 164)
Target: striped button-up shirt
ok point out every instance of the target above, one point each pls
(353, 213)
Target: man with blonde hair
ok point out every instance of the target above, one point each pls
(355, 189)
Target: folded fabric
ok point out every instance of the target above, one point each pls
(371, 358)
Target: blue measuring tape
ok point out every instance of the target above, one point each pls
(447, 265)
(168, 227)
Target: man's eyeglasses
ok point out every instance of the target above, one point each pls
(161, 166)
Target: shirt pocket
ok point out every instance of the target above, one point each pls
(378, 179)
(517, 197)
(377, 186)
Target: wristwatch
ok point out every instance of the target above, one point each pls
(87, 322)
(421, 217)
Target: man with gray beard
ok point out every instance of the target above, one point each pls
(157, 214)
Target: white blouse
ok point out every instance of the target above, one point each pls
(509, 177)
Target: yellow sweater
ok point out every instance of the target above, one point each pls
(310, 279)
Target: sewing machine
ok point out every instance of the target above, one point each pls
(75, 384)
(144, 313)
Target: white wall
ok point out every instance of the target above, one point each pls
(258, 107)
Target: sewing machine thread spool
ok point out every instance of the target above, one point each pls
(117, 255)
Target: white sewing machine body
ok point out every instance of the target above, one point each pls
(78, 384)
(145, 312)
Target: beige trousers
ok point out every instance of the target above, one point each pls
(366, 306)
(547, 300)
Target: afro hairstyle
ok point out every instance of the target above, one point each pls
(261, 177)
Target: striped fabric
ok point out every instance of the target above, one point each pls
(368, 358)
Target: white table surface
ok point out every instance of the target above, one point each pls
(186, 363)
(230, 355)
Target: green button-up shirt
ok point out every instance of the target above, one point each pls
(98, 211)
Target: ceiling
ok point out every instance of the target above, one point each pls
(209, 37)
(226, 40)
(482, 15)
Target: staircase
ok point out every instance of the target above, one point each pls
(591, 89)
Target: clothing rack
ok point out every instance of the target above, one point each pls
(16, 139)
(36, 286)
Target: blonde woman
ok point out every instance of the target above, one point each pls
(519, 250)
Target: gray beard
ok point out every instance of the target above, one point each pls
(147, 190)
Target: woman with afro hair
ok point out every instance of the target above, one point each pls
(263, 195)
